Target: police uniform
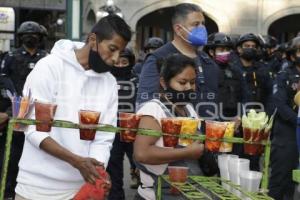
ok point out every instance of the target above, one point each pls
(127, 86)
(18, 64)
(284, 154)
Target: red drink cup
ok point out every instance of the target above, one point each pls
(215, 130)
(177, 174)
(171, 127)
(252, 135)
(88, 117)
(128, 120)
(263, 137)
(44, 112)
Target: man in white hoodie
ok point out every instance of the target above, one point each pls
(75, 76)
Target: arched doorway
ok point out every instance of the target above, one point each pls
(285, 28)
(158, 23)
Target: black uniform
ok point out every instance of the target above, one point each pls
(18, 64)
(284, 154)
(230, 91)
(256, 89)
(127, 95)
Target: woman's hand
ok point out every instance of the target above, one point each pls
(195, 150)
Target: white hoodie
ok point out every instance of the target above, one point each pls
(61, 79)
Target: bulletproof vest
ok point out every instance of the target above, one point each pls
(20, 65)
(127, 90)
(229, 92)
(292, 79)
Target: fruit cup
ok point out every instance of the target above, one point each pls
(214, 130)
(170, 126)
(86, 118)
(229, 132)
(177, 174)
(189, 126)
(128, 120)
(252, 135)
(44, 113)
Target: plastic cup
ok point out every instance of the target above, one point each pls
(250, 180)
(229, 132)
(252, 135)
(236, 165)
(214, 130)
(189, 126)
(263, 137)
(20, 109)
(44, 112)
(88, 117)
(170, 126)
(177, 174)
(223, 161)
(128, 120)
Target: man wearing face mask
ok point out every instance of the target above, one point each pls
(219, 47)
(75, 76)
(284, 152)
(19, 63)
(127, 86)
(189, 34)
(16, 66)
(256, 81)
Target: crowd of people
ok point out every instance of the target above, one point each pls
(212, 77)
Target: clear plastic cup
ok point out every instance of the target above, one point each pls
(20, 110)
(229, 132)
(170, 126)
(189, 126)
(44, 113)
(86, 118)
(128, 120)
(223, 161)
(177, 174)
(214, 130)
(250, 180)
(252, 135)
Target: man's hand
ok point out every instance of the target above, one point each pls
(87, 168)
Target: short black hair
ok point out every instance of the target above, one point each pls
(182, 10)
(174, 64)
(109, 25)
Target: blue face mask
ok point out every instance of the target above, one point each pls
(197, 36)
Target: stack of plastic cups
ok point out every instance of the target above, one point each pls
(250, 181)
(236, 165)
(223, 161)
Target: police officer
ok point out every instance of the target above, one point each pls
(19, 63)
(219, 47)
(151, 45)
(127, 83)
(16, 65)
(284, 153)
(256, 82)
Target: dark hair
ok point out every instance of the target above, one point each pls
(173, 65)
(107, 26)
(182, 10)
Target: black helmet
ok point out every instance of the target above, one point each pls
(219, 39)
(248, 37)
(127, 53)
(44, 31)
(153, 42)
(29, 27)
(269, 41)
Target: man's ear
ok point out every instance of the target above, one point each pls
(163, 83)
(211, 53)
(92, 39)
(239, 49)
(176, 28)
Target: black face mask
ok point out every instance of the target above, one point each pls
(96, 63)
(249, 54)
(30, 41)
(121, 72)
(180, 96)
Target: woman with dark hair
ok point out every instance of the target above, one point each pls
(177, 83)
